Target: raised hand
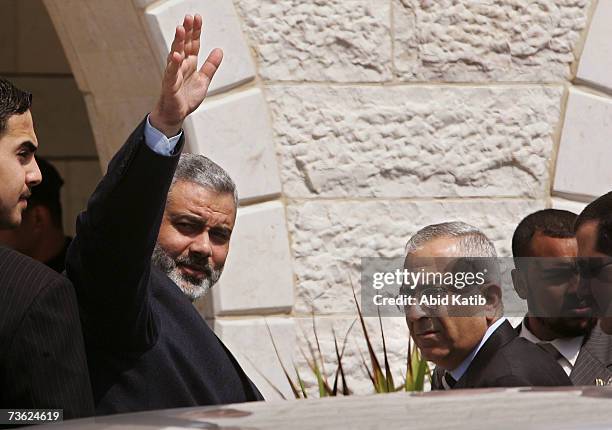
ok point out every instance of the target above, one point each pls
(184, 87)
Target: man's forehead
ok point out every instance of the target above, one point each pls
(543, 245)
(433, 253)
(587, 239)
(198, 200)
(20, 127)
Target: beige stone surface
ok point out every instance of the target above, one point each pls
(110, 54)
(583, 163)
(335, 40)
(567, 205)
(596, 59)
(221, 30)
(60, 117)
(253, 346)
(235, 132)
(475, 41)
(329, 238)
(414, 141)
(111, 46)
(114, 120)
(258, 276)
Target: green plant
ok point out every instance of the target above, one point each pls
(417, 369)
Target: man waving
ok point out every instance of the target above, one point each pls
(147, 346)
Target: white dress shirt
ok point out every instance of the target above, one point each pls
(568, 347)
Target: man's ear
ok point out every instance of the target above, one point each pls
(520, 286)
(493, 295)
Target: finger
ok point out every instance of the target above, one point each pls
(178, 44)
(197, 32)
(171, 75)
(212, 63)
(188, 24)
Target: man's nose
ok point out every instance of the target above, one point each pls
(33, 175)
(573, 285)
(201, 245)
(415, 313)
(583, 289)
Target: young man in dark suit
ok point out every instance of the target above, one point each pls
(471, 343)
(42, 358)
(147, 346)
(544, 248)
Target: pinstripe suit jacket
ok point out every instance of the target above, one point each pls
(42, 357)
(594, 360)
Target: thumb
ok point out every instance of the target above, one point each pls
(212, 63)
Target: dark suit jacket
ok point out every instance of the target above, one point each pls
(42, 357)
(594, 359)
(506, 360)
(147, 346)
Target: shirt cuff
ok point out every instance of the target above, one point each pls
(158, 142)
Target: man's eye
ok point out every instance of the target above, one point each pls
(219, 235)
(185, 226)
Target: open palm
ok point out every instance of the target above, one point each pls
(184, 87)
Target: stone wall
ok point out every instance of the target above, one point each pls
(349, 125)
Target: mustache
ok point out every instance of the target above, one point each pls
(572, 302)
(26, 195)
(195, 261)
(425, 325)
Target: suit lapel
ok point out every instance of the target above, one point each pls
(498, 339)
(594, 360)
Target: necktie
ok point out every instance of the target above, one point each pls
(550, 348)
(448, 382)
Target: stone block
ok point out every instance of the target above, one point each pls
(114, 120)
(330, 237)
(596, 59)
(333, 40)
(583, 163)
(39, 50)
(568, 205)
(60, 117)
(235, 132)
(414, 141)
(251, 344)
(475, 41)
(221, 30)
(258, 275)
(109, 49)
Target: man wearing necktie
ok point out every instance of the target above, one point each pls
(461, 327)
(544, 248)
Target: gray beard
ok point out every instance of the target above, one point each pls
(192, 287)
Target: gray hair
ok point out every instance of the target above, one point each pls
(472, 244)
(204, 172)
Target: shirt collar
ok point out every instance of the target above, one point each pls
(458, 372)
(569, 347)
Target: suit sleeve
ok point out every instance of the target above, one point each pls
(47, 356)
(109, 259)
